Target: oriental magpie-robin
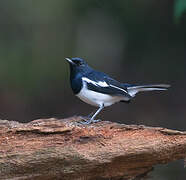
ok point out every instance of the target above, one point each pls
(100, 90)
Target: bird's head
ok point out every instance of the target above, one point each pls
(77, 64)
(76, 61)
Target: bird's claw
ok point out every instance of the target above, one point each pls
(95, 120)
(87, 121)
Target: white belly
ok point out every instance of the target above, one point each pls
(97, 99)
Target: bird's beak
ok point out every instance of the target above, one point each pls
(69, 60)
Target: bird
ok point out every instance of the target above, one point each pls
(99, 89)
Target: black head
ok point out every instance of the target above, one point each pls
(76, 62)
(78, 65)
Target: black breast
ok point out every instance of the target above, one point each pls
(76, 84)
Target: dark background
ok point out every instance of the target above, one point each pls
(133, 41)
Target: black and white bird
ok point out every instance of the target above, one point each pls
(100, 90)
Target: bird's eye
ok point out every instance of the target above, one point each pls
(79, 63)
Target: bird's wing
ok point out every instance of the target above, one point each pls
(100, 82)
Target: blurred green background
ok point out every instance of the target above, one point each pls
(133, 41)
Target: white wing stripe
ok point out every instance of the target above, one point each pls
(118, 88)
(99, 83)
(102, 84)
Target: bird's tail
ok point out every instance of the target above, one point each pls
(133, 89)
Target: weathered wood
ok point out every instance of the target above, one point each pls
(63, 149)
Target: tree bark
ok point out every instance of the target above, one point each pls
(64, 149)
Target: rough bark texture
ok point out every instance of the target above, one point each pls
(63, 149)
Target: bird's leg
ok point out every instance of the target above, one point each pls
(96, 113)
(92, 120)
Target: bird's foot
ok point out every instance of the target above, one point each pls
(95, 120)
(87, 120)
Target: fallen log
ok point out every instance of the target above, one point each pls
(64, 149)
